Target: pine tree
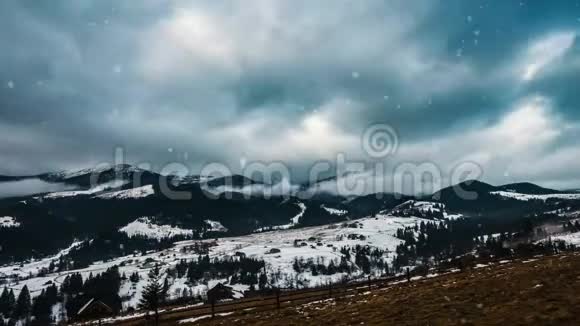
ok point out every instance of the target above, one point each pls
(134, 278)
(11, 300)
(165, 287)
(263, 281)
(5, 304)
(153, 294)
(23, 305)
(41, 308)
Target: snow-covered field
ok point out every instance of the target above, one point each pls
(321, 242)
(570, 238)
(139, 192)
(145, 227)
(100, 188)
(215, 226)
(334, 211)
(526, 197)
(8, 222)
(105, 191)
(426, 206)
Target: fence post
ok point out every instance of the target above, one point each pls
(408, 275)
(330, 290)
(278, 299)
(370, 284)
(212, 308)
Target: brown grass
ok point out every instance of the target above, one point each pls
(545, 291)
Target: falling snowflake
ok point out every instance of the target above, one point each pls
(469, 19)
(186, 156)
(243, 162)
(386, 97)
(355, 75)
(118, 69)
(10, 84)
(170, 150)
(476, 32)
(459, 53)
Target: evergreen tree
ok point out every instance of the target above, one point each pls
(11, 300)
(263, 281)
(153, 294)
(165, 287)
(41, 308)
(23, 305)
(134, 278)
(6, 302)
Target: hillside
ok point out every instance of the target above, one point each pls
(539, 291)
(105, 237)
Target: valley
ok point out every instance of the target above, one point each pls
(116, 233)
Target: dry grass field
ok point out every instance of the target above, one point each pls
(539, 291)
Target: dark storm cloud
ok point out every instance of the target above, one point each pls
(202, 81)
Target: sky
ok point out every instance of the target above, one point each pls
(494, 83)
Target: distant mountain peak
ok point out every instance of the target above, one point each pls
(119, 168)
(527, 188)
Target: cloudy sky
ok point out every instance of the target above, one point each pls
(496, 83)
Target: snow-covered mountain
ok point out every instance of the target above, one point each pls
(278, 249)
(120, 220)
(109, 199)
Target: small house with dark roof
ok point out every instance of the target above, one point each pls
(94, 309)
(220, 292)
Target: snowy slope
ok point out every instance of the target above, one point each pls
(418, 207)
(100, 188)
(293, 221)
(215, 226)
(526, 197)
(9, 222)
(121, 168)
(145, 227)
(570, 238)
(425, 206)
(322, 242)
(334, 211)
(33, 267)
(134, 193)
